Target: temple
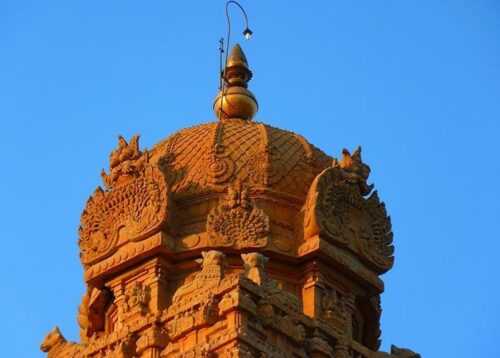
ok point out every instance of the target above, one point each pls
(232, 239)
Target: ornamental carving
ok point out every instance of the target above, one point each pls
(344, 208)
(333, 308)
(55, 345)
(145, 295)
(124, 162)
(237, 223)
(137, 297)
(211, 273)
(133, 206)
(220, 167)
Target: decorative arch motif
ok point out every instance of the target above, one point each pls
(341, 206)
(133, 207)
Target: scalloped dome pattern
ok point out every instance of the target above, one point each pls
(210, 156)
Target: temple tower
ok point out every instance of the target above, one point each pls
(232, 239)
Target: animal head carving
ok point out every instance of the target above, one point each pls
(255, 265)
(53, 338)
(124, 162)
(254, 260)
(125, 151)
(211, 258)
(354, 170)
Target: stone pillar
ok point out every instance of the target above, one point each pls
(118, 289)
(311, 292)
(156, 280)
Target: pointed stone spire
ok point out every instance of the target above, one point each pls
(235, 100)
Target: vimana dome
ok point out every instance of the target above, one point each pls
(232, 239)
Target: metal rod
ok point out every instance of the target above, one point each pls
(228, 18)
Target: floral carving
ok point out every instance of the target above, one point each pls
(236, 222)
(343, 207)
(134, 205)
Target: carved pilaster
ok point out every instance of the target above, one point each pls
(157, 283)
(311, 291)
(118, 289)
(350, 307)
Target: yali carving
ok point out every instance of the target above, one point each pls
(342, 206)
(133, 206)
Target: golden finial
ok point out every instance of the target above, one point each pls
(234, 99)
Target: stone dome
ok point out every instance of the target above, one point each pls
(237, 193)
(275, 166)
(238, 185)
(207, 158)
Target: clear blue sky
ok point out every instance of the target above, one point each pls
(416, 83)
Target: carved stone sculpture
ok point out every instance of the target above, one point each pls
(342, 207)
(237, 222)
(211, 273)
(231, 239)
(55, 345)
(255, 264)
(132, 208)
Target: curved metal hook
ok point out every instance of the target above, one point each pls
(246, 32)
